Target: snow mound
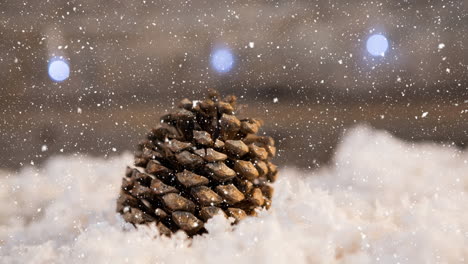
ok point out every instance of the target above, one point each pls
(382, 201)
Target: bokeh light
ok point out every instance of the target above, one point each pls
(377, 45)
(222, 60)
(59, 70)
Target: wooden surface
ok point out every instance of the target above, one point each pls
(306, 133)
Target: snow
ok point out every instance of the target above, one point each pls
(382, 201)
(44, 148)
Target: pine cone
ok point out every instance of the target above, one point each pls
(200, 161)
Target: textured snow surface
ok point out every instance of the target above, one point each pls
(382, 201)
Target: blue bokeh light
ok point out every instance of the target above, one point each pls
(222, 60)
(377, 45)
(59, 70)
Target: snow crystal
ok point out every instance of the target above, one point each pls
(44, 148)
(383, 201)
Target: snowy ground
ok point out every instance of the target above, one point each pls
(383, 201)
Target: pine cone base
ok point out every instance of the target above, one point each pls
(199, 162)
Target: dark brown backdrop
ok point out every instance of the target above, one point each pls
(131, 59)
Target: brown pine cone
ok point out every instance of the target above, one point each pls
(200, 161)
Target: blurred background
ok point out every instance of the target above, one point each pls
(93, 76)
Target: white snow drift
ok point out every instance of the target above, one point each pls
(382, 201)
